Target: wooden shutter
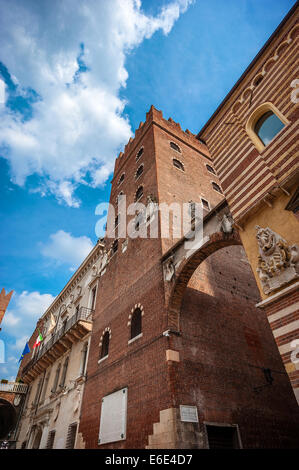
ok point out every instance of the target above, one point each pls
(50, 440)
(71, 436)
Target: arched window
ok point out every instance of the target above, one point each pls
(175, 147)
(105, 345)
(216, 187)
(264, 124)
(210, 169)
(267, 126)
(140, 152)
(178, 164)
(139, 193)
(139, 172)
(136, 323)
(121, 179)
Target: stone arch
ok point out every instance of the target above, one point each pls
(8, 417)
(216, 241)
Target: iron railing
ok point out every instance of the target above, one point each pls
(82, 314)
(13, 387)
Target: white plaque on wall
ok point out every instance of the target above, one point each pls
(189, 414)
(114, 417)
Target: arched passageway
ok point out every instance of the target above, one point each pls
(188, 266)
(229, 366)
(8, 418)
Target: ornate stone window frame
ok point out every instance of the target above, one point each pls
(255, 116)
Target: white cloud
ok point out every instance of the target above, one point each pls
(78, 125)
(63, 248)
(22, 314)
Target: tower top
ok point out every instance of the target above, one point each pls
(155, 116)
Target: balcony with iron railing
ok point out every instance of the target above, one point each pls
(13, 387)
(73, 330)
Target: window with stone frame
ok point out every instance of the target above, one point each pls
(136, 323)
(105, 345)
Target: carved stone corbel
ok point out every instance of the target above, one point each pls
(169, 269)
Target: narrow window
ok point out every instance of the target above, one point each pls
(136, 323)
(175, 147)
(50, 441)
(105, 345)
(216, 187)
(138, 220)
(192, 210)
(64, 371)
(84, 359)
(27, 397)
(139, 193)
(205, 204)
(53, 390)
(140, 152)
(139, 172)
(121, 179)
(116, 221)
(178, 164)
(71, 436)
(267, 126)
(93, 298)
(38, 390)
(114, 247)
(45, 386)
(210, 169)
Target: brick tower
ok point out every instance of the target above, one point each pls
(217, 380)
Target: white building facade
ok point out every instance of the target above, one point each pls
(56, 371)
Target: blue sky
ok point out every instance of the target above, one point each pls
(77, 85)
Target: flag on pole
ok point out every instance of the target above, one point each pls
(39, 339)
(26, 351)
